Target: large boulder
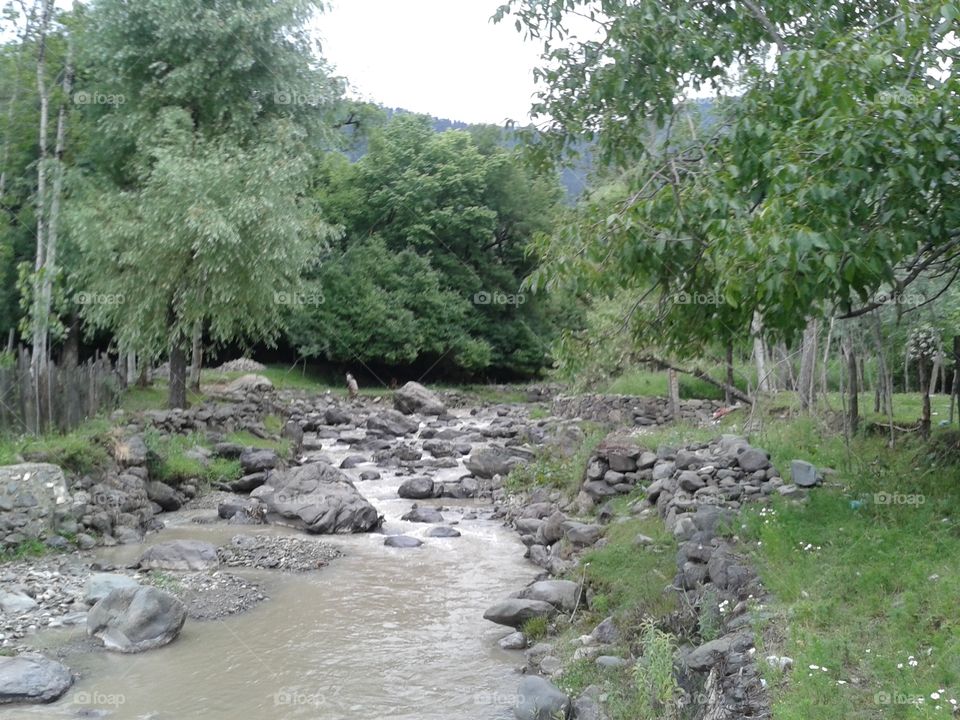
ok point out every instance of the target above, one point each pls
(163, 495)
(180, 555)
(131, 620)
(416, 488)
(99, 585)
(514, 612)
(415, 398)
(253, 460)
(496, 460)
(802, 473)
(538, 699)
(317, 498)
(393, 423)
(562, 594)
(32, 678)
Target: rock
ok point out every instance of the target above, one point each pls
(514, 612)
(15, 603)
(392, 423)
(253, 460)
(86, 542)
(228, 450)
(803, 473)
(248, 483)
(581, 533)
(562, 594)
(423, 515)
(402, 541)
(416, 488)
(606, 633)
(552, 529)
(610, 662)
(32, 496)
(32, 678)
(443, 532)
(496, 460)
(643, 540)
(440, 448)
(550, 665)
(352, 461)
(538, 699)
(180, 555)
(337, 416)
(513, 641)
(132, 620)
(294, 433)
(753, 459)
(130, 451)
(163, 495)
(415, 398)
(710, 653)
(685, 527)
(99, 585)
(587, 705)
(317, 498)
(249, 383)
(691, 481)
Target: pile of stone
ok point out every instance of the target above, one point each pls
(697, 490)
(631, 410)
(245, 365)
(277, 553)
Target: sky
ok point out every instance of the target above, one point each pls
(440, 57)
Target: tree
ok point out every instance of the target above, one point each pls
(460, 209)
(199, 213)
(825, 176)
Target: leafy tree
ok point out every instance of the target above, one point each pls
(198, 212)
(458, 208)
(828, 173)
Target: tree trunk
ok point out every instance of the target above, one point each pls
(727, 396)
(825, 363)
(70, 357)
(38, 356)
(806, 387)
(759, 353)
(144, 379)
(935, 373)
(196, 356)
(885, 381)
(131, 369)
(853, 386)
(178, 376)
(955, 385)
(923, 365)
(673, 383)
(906, 371)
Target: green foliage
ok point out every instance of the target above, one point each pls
(25, 550)
(168, 461)
(553, 468)
(657, 687)
(821, 171)
(81, 451)
(536, 629)
(429, 268)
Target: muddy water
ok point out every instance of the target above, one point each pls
(380, 633)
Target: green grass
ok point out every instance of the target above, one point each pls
(648, 383)
(80, 451)
(536, 628)
(31, 548)
(861, 600)
(168, 461)
(281, 446)
(553, 469)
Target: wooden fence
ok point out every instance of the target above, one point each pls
(62, 399)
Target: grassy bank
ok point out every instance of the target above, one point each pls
(865, 575)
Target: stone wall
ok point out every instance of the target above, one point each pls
(33, 499)
(621, 410)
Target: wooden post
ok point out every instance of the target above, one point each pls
(673, 383)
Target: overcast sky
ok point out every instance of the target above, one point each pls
(441, 57)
